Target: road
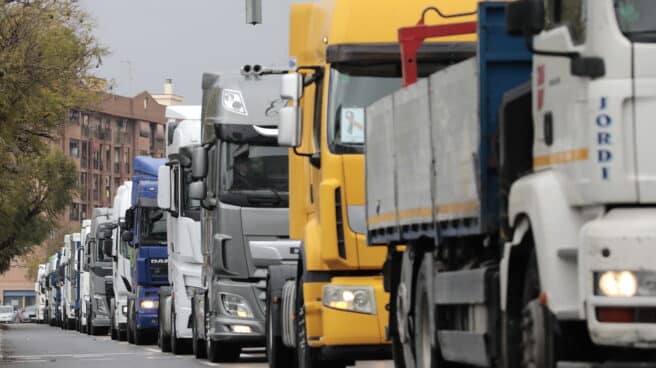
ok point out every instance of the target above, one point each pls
(31, 345)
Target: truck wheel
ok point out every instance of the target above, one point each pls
(130, 329)
(538, 343)
(278, 355)
(197, 344)
(163, 341)
(425, 352)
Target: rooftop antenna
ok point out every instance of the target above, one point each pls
(253, 12)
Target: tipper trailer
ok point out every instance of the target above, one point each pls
(521, 187)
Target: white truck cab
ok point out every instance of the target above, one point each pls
(183, 132)
(85, 287)
(121, 273)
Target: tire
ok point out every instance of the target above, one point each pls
(197, 344)
(215, 351)
(308, 357)
(130, 328)
(426, 355)
(90, 329)
(163, 340)
(537, 336)
(278, 355)
(141, 337)
(114, 333)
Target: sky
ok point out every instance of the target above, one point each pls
(151, 40)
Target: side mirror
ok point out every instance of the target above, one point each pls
(291, 87)
(199, 163)
(289, 130)
(164, 187)
(127, 236)
(525, 17)
(197, 190)
(107, 247)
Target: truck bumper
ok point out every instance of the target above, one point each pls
(622, 240)
(101, 322)
(332, 327)
(147, 320)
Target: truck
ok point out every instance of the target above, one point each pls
(241, 180)
(64, 282)
(71, 280)
(121, 269)
(346, 57)
(99, 267)
(84, 286)
(145, 233)
(526, 220)
(53, 291)
(182, 229)
(40, 292)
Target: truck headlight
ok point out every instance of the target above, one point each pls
(360, 299)
(236, 306)
(124, 309)
(149, 304)
(625, 284)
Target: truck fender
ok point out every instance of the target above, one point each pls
(165, 296)
(510, 256)
(546, 199)
(277, 276)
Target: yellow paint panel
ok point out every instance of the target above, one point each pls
(560, 158)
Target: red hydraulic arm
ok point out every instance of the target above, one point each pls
(411, 39)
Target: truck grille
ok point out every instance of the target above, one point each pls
(159, 269)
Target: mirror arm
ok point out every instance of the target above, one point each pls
(318, 73)
(529, 46)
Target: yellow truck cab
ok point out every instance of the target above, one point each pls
(334, 309)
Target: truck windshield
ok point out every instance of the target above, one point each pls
(350, 94)
(254, 176)
(153, 226)
(637, 19)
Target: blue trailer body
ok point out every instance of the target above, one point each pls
(149, 266)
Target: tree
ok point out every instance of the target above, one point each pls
(47, 53)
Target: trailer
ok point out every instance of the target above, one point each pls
(518, 183)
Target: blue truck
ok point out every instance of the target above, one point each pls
(146, 235)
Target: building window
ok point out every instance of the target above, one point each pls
(75, 117)
(83, 212)
(127, 161)
(85, 125)
(144, 129)
(84, 155)
(108, 188)
(83, 185)
(96, 187)
(75, 212)
(117, 182)
(108, 157)
(74, 148)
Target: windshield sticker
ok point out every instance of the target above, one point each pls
(352, 121)
(233, 101)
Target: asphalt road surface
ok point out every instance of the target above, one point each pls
(31, 345)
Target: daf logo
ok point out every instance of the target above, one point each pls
(159, 260)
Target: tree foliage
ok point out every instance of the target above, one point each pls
(47, 53)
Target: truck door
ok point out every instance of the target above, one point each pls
(581, 123)
(635, 19)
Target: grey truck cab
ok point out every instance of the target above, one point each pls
(244, 195)
(99, 266)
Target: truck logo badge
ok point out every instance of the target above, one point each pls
(233, 101)
(274, 107)
(159, 260)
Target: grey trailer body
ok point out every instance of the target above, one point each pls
(245, 212)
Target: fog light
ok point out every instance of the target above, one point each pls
(359, 299)
(241, 329)
(149, 304)
(618, 284)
